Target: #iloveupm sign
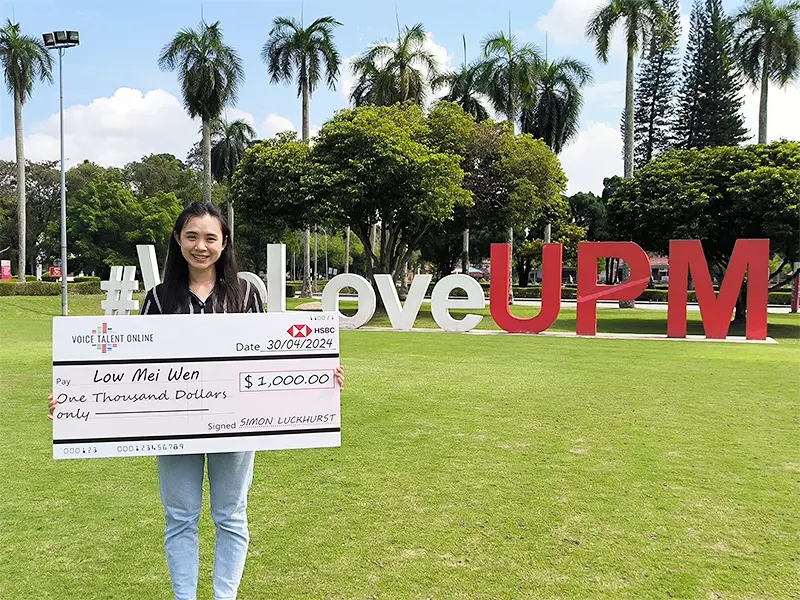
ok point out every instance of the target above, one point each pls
(748, 266)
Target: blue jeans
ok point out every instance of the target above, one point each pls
(181, 481)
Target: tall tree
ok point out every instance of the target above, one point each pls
(551, 107)
(463, 88)
(398, 71)
(656, 84)
(767, 47)
(508, 68)
(710, 112)
(230, 141)
(25, 60)
(294, 51)
(210, 73)
(642, 20)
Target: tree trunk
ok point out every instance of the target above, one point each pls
(523, 270)
(230, 214)
(402, 292)
(465, 253)
(762, 106)
(628, 141)
(511, 265)
(740, 314)
(626, 274)
(347, 249)
(305, 292)
(306, 102)
(206, 161)
(21, 209)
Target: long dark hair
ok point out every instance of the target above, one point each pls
(227, 289)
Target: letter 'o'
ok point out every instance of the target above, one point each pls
(366, 299)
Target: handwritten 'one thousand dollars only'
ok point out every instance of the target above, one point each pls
(189, 384)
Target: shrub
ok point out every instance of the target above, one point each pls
(291, 289)
(780, 298)
(86, 278)
(47, 288)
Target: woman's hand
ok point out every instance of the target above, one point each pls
(338, 375)
(51, 406)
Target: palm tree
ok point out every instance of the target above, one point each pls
(768, 48)
(25, 60)
(296, 51)
(230, 140)
(463, 88)
(293, 50)
(507, 69)
(398, 71)
(550, 110)
(643, 19)
(210, 73)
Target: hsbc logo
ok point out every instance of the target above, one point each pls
(299, 331)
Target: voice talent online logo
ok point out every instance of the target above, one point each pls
(106, 337)
(105, 340)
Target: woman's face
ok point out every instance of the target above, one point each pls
(201, 242)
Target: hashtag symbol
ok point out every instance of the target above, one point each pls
(119, 291)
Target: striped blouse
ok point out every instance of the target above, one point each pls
(252, 301)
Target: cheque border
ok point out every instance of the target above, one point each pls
(196, 436)
(134, 361)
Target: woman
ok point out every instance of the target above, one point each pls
(201, 276)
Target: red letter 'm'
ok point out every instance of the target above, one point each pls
(551, 290)
(589, 292)
(751, 256)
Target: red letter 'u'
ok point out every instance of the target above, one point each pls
(551, 290)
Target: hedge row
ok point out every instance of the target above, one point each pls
(651, 295)
(46, 288)
(43, 288)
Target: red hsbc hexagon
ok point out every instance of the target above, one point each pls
(299, 331)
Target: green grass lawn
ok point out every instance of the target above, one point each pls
(527, 467)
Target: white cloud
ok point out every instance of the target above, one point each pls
(565, 22)
(124, 127)
(347, 80)
(443, 58)
(596, 153)
(112, 131)
(609, 94)
(274, 124)
(782, 106)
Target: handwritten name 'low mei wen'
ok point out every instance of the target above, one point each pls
(148, 374)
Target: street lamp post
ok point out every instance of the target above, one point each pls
(60, 41)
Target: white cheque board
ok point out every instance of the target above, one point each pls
(190, 384)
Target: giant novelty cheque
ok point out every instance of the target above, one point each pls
(162, 385)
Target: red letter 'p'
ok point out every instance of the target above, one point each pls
(589, 292)
(751, 256)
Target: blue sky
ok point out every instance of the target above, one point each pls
(120, 106)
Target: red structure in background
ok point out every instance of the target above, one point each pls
(750, 259)
(551, 290)
(589, 291)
